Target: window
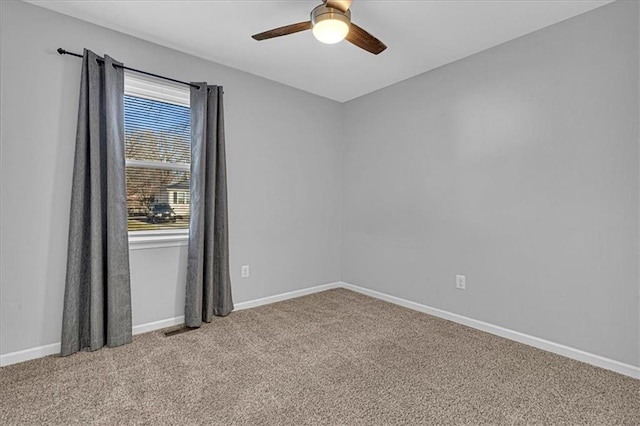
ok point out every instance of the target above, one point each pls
(158, 155)
(181, 197)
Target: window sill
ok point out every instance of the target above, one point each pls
(144, 240)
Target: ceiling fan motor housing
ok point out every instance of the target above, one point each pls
(323, 12)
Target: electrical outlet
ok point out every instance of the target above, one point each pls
(461, 282)
(245, 271)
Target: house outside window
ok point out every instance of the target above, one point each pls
(158, 156)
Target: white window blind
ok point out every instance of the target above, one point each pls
(158, 153)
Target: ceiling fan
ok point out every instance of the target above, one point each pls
(331, 23)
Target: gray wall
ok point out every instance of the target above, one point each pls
(284, 180)
(517, 167)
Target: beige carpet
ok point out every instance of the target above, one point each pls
(335, 357)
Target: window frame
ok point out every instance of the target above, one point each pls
(164, 91)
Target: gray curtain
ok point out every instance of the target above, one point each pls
(208, 280)
(97, 298)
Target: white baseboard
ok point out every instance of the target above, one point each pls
(536, 342)
(54, 348)
(285, 296)
(157, 325)
(29, 354)
(566, 351)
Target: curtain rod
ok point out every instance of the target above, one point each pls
(66, 52)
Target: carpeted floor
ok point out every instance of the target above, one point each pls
(335, 357)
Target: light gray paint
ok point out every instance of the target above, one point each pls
(283, 170)
(517, 167)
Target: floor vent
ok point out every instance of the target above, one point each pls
(178, 331)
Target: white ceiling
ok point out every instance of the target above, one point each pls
(420, 35)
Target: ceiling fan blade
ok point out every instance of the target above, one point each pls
(364, 40)
(341, 5)
(282, 31)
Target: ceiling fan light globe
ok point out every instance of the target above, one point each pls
(330, 31)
